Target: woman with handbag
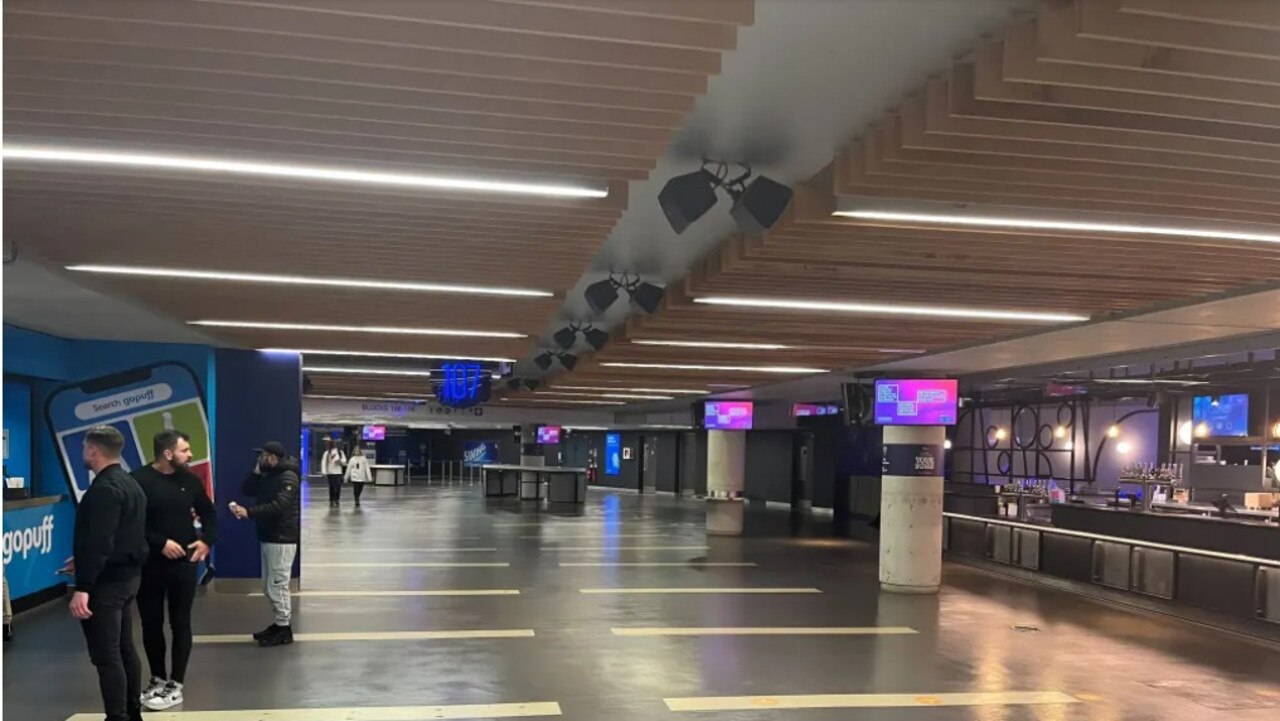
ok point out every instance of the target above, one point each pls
(358, 473)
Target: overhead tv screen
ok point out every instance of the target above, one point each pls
(548, 435)
(916, 401)
(1224, 415)
(729, 415)
(373, 433)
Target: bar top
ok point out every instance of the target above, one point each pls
(33, 502)
(1225, 535)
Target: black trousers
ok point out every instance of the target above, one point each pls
(109, 636)
(335, 487)
(174, 583)
(356, 490)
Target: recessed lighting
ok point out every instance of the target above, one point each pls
(566, 400)
(894, 309)
(982, 221)
(375, 354)
(712, 344)
(354, 328)
(274, 279)
(365, 371)
(629, 390)
(629, 396)
(741, 369)
(300, 172)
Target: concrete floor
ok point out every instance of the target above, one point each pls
(1093, 661)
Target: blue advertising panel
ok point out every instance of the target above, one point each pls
(479, 453)
(37, 542)
(612, 454)
(1224, 415)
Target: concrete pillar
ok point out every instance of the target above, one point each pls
(726, 474)
(911, 509)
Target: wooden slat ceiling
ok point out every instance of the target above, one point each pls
(583, 92)
(1165, 110)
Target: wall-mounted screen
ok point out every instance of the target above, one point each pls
(1224, 415)
(612, 454)
(549, 435)
(373, 433)
(916, 401)
(802, 410)
(729, 415)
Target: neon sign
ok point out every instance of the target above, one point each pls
(462, 384)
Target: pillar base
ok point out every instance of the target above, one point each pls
(913, 590)
(725, 517)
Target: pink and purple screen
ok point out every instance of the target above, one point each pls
(916, 402)
(549, 435)
(729, 415)
(373, 433)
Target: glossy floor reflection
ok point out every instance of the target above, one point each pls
(625, 609)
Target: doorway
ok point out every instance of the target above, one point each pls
(648, 464)
(802, 472)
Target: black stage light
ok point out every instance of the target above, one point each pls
(543, 360)
(760, 205)
(647, 296)
(565, 337)
(513, 384)
(530, 384)
(601, 294)
(685, 198)
(568, 360)
(595, 338)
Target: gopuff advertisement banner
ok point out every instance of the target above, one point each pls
(37, 542)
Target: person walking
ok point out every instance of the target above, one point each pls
(274, 487)
(358, 473)
(110, 547)
(175, 496)
(331, 465)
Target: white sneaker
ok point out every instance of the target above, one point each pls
(168, 697)
(155, 686)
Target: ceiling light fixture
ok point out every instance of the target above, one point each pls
(299, 172)
(365, 371)
(630, 390)
(354, 328)
(273, 279)
(983, 221)
(544, 360)
(712, 344)
(568, 335)
(375, 354)
(566, 401)
(629, 396)
(604, 293)
(894, 309)
(741, 369)
(757, 205)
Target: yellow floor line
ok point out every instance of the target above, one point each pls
(406, 564)
(639, 631)
(867, 700)
(624, 548)
(377, 636)
(688, 564)
(757, 589)
(443, 592)
(356, 713)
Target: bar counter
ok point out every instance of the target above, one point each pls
(1224, 535)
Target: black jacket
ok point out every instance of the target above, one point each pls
(170, 500)
(110, 541)
(276, 509)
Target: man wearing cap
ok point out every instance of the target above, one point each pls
(274, 487)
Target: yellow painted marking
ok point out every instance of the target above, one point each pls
(764, 631)
(1088, 697)
(356, 713)
(690, 564)
(406, 564)
(378, 636)
(867, 700)
(605, 549)
(758, 589)
(444, 592)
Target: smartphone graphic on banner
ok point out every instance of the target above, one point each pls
(140, 403)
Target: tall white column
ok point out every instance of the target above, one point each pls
(911, 509)
(726, 476)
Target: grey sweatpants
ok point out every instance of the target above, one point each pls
(277, 563)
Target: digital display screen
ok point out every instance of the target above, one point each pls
(1224, 415)
(802, 410)
(729, 415)
(548, 435)
(373, 433)
(916, 402)
(612, 454)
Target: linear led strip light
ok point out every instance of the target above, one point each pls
(730, 369)
(394, 330)
(616, 389)
(628, 396)
(895, 309)
(373, 371)
(275, 279)
(993, 221)
(377, 354)
(45, 154)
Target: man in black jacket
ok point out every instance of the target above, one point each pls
(110, 547)
(173, 494)
(274, 488)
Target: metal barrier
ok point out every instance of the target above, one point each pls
(1239, 585)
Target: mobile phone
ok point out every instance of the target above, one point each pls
(140, 403)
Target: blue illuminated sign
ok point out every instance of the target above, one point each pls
(612, 454)
(462, 384)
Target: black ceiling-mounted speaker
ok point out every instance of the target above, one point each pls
(530, 384)
(601, 294)
(307, 385)
(760, 205)
(568, 360)
(647, 296)
(513, 384)
(685, 198)
(565, 337)
(543, 360)
(595, 338)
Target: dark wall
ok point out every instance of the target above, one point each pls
(666, 461)
(693, 463)
(629, 476)
(769, 465)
